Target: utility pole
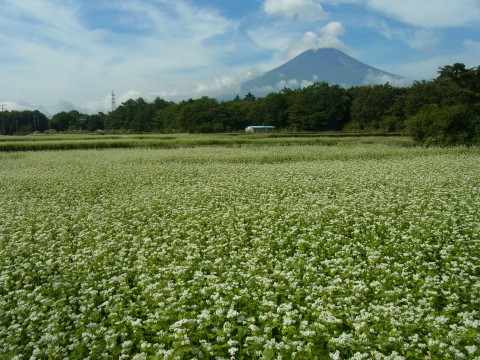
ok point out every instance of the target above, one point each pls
(3, 121)
(36, 124)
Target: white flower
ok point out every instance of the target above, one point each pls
(232, 313)
(139, 357)
(471, 349)
(127, 344)
(335, 355)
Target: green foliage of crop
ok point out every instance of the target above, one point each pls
(353, 251)
(86, 141)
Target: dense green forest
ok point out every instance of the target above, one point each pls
(22, 122)
(442, 111)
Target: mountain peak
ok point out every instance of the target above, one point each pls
(324, 64)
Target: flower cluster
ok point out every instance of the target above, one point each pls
(267, 252)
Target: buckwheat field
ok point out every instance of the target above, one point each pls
(351, 251)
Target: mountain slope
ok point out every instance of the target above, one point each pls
(330, 65)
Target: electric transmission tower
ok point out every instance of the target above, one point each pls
(113, 100)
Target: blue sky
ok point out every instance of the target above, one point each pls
(70, 54)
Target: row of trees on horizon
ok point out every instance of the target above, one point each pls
(443, 111)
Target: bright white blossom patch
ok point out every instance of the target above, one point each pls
(341, 252)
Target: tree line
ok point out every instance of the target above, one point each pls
(22, 122)
(444, 111)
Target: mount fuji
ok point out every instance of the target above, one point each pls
(329, 65)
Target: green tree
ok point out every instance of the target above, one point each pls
(167, 119)
(138, 115)
(468, 79)
(319, 107)
(276, 110)
(23, 121)
(64, 121)
(370, 105)
(237, 114)
(129, 116)
(446, 111)
(393, 119)
(249, 97)
(196, 114)
(421, 94)
(95, 122)
(447, 125)
(35, 120)
(256, 114)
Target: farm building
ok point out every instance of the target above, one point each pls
(257, 128)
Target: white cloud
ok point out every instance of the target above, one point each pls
(306, 83)
(10, 105)
(439, 13)
(304, 10)
(291, 84)
(328, 38)
(372, 79)
(423, 13)
(220, 85)
(271, 37)
(417, 38)
(53, 49)
(264, 89)
(427, 68)
(332, 29)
